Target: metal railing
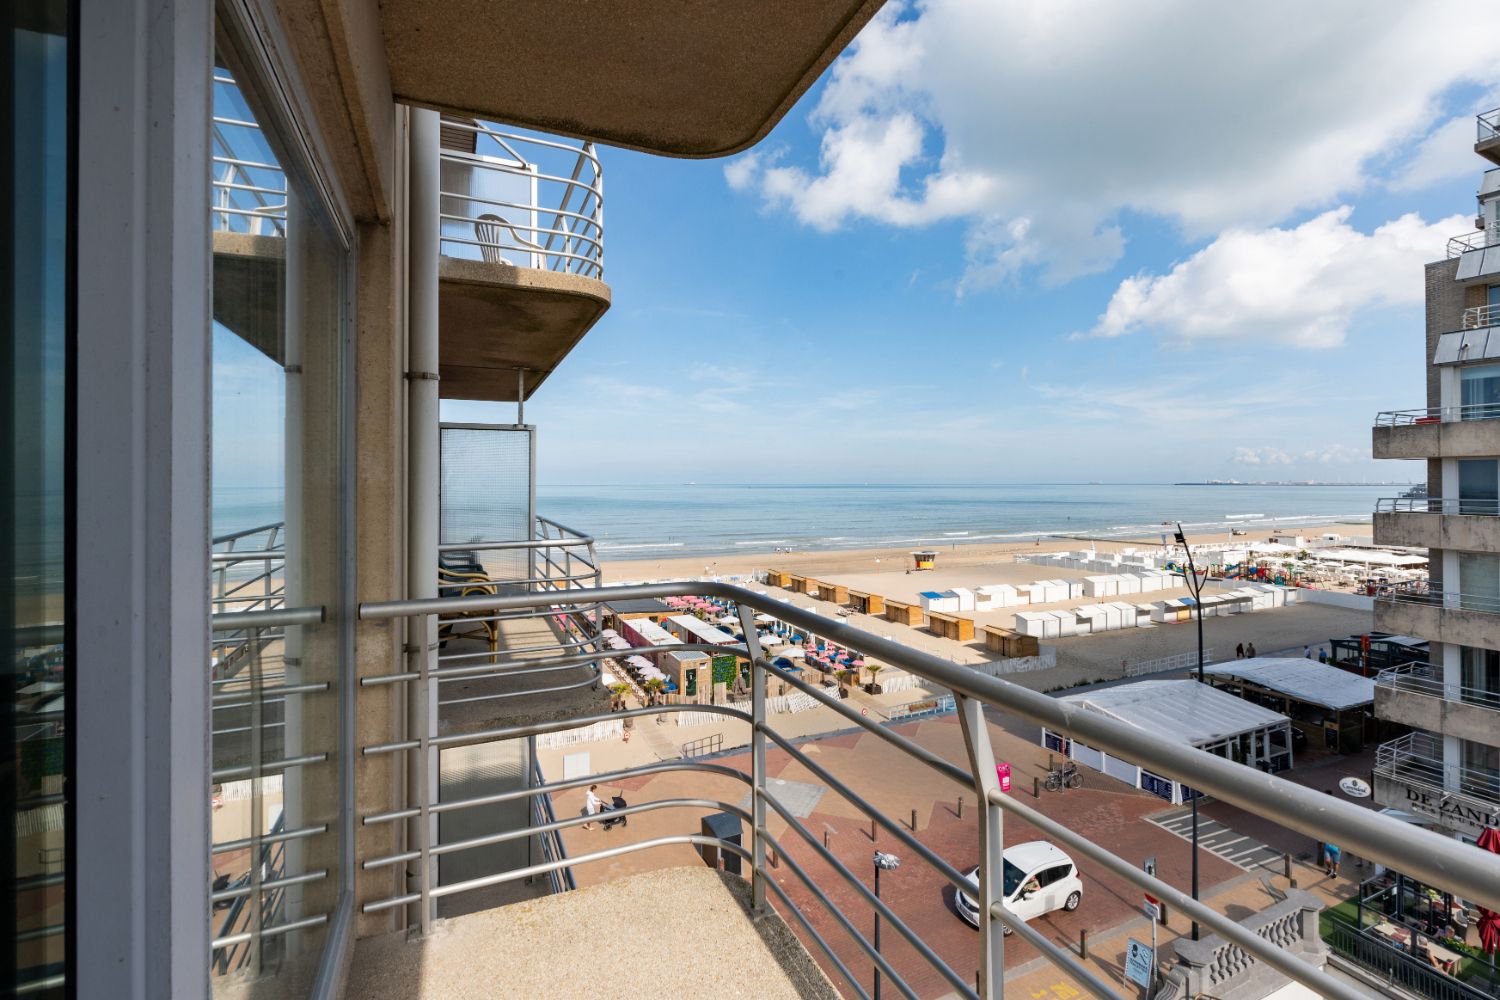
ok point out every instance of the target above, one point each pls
(1478, 317)
(1488, 126)
(553, 848)
(523, 200)
(1163, 664)
(1393, 965)
(1477, 240)
(247, 186)
(1424, 855)
(1429, 594)
(258, 915)
(1438, 505)
(1437, 415)
(1417, 759)
(1426, 679)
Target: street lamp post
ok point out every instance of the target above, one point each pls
(887, 862)
(1196, 586)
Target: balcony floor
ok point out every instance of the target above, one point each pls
(682, 932)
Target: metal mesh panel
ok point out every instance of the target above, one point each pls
(485, 494)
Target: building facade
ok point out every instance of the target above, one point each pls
(1446, 772)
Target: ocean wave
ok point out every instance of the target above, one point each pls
(605, 546)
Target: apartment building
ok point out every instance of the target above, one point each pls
(1446, 772)
(281, 639)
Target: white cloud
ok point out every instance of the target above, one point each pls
(1334, 454)
(1260, 456)
(1300, 286)
(1445, 153)
(1042, 123)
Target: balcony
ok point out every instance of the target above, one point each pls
(521, 241)
(1437, 523)
(1487, 139)
(1410, 775)
(1429, 611)
(1415, 695)
(1438, 432)
(522, 266)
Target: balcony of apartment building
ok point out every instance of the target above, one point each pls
(521, 248)
(1411, 774)
(1416, 695)
(1470, 525)
(1478, 252)
(1462, 429)
(1439, 615)
(1487, 139)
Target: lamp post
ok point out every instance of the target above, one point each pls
(888, 862)
(1196, 586)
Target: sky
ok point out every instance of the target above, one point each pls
(1055, 242)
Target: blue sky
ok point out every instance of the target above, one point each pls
(997, 244)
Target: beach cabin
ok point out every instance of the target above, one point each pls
(925, 559)
(692, 672)
(965, 598)
(797, 584)
(835, 592)
(938, 600)
(950, 626)
(778, 578)
(903, 614)
(1009, 643)
(869, 604)
(1101, 586)
(1001, 595)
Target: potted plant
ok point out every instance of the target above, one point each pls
(844, 676)
(655, 688)
(873, 669)
(617, 697)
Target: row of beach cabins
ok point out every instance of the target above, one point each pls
(1089, 618)
(941, 621)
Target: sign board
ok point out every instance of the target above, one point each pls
(1355, 787)
(1152, 909)
(1139, 960)
(1453, 810)
(1002, 771)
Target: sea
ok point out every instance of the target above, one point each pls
(645, 522)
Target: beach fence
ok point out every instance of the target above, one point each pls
(609, 729)
(936, 705)
(785, 704)
(1165, 664)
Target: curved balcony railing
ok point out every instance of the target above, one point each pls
(522, 200)
(1488, 126)
(1434, 595)
(1426, 679)
(1417, 759)
(1462, 244)
(1424, 855)
(247, 186)
(1478, 317)
(1437, 415)
(1437, 505)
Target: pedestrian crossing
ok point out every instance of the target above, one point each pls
(1236, 848)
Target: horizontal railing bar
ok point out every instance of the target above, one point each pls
(271, 694)
(233, 536)
(559, 609)
(260, 619)
(531, 871)
(1058, 957)
(822, 943)
(567, 784)
(519, 833)
(248, 188)
(509, 652)
(248, 555)
(527, 543)
(588, 263)
(498, 135)
(553, 726)
(589, 187)
(268, 884)
(580, 234)
(247, 729)
(563, 527)
(1422, 854)
(1236, 934)
(296, 925)
(286, 763)
(251, 164)
(267, 212)
(589, 681)
(38, 933)
(879, 905)
(301, 833)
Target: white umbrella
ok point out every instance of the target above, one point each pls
(728, 620)
(794, 653)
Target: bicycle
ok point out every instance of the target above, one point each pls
(1066, 776)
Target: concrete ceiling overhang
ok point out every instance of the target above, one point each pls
(496, 321)
(689, 78)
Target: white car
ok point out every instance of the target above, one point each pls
(1039, 878)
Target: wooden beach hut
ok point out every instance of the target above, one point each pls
(1009, 643)
(903, 614)
(950, 626)
(797, 584)
(870, 604)
(838, 593)
(778, 578)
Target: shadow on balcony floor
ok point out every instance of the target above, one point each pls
(682, 932)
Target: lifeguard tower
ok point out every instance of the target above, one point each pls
(925, 559)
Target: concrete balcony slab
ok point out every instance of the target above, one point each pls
(1448, 439)
(1437, 623)
(679, 932)
(1431, 530)
(1429, 710)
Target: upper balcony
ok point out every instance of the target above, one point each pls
(521, 276)
(1438, 523)
(1439, 615)
(1414, 694)
(521, 242)
(1487, 139)
(1438, 431)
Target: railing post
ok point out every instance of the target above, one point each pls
(991, 846)
(423, 644)
(257, 802)
(757, 758)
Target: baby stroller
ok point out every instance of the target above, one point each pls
(618, 802)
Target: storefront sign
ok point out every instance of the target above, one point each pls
(1458, 812)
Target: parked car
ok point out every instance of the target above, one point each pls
(1038, 879)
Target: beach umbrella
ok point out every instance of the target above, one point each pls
(1489, 920)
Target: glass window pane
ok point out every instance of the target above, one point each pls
(34, 504)
(278, 515)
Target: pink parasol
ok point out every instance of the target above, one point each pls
(1489, 920)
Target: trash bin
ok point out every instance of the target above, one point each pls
(725, 827)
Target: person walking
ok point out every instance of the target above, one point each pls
(591, 805)
(1239, 651)
(1307, 652)
(1331, 855)
(1250, 651)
